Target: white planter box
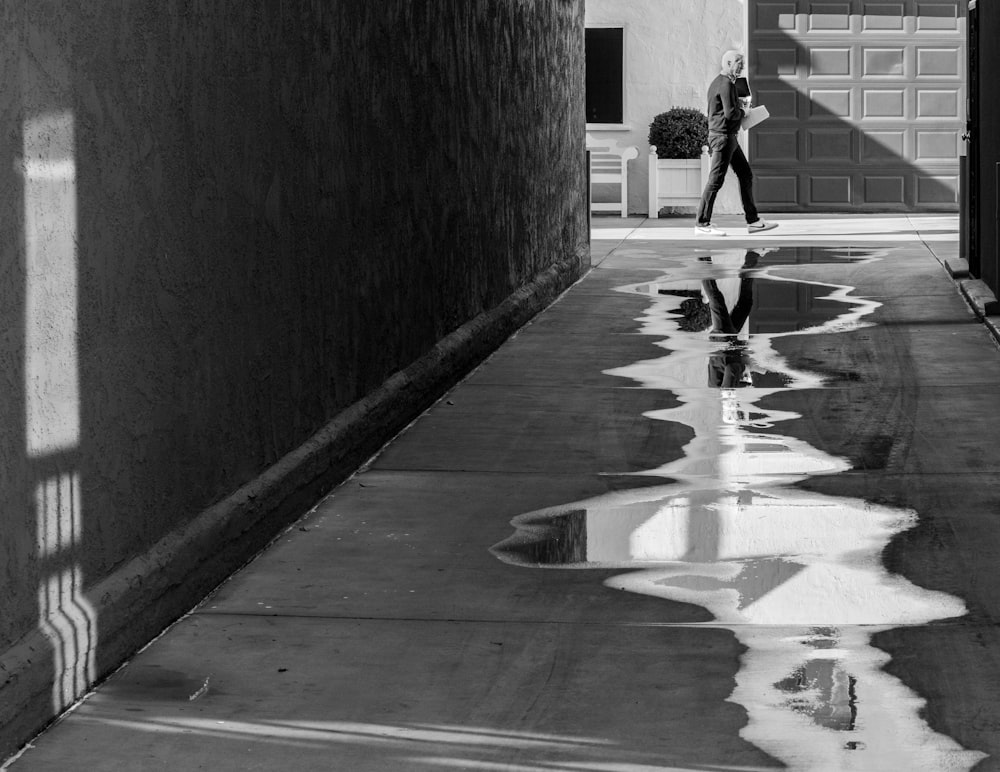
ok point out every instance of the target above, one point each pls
(676, 182)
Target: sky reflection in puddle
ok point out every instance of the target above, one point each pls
(797, 576)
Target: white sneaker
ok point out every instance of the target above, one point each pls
(708, 230)
(760, 226)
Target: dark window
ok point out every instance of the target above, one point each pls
(605, 47)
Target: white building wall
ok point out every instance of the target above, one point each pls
(673, 49)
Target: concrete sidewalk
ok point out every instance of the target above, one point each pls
(803, 577)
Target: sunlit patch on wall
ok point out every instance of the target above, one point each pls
(52, 397)
(68, 620)
(52, 375)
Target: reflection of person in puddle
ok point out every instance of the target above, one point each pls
(728, 324)
(729, 366)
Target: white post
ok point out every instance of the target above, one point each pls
(628, 154)
(624, 186)
(706, 165)
(654, 193)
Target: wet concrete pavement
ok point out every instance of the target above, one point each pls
(726, 505)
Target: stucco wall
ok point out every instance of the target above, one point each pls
(223, 224)
(673, 49)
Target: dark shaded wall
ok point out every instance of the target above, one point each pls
(244, 216)
(984, 143)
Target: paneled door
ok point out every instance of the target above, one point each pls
(867, 103)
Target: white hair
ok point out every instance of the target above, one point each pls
(730, 57)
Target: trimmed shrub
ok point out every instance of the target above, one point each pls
(680, 132)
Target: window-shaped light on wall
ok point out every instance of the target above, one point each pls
(52, 396)
(51, 370)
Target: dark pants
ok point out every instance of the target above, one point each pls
(724, 321)
(728, 367)
(726, 152)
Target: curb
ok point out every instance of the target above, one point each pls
(982, 301)
(980, 297)
(155, 589)
(957, 267)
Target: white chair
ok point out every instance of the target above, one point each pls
(609, 164)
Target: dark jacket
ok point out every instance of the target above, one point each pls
(724, 111)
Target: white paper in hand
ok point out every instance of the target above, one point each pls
(754, 116)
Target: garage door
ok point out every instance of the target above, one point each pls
(867, 103)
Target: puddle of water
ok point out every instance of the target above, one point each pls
(797, 576)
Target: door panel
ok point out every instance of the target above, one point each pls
(873, 89)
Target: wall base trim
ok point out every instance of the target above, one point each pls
(151, 591)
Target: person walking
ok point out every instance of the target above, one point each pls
(724, 115)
